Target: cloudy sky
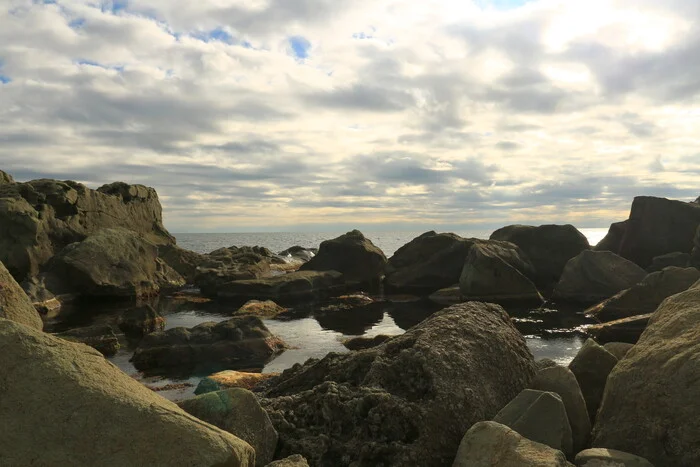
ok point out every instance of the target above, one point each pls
(300, 114)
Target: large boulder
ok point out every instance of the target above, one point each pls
(499, 272)
(185, 262)
(599, 457)
(238, 412)
(100, 337)
(620, 330)
(490, 444)
(677, 259)
(353, 255)
(427, 263)
(64, 404)
(591, 366)
(593, 276)
(549, 247)
(651, 405)
(224, 266)
(645, 296)
(395, 404)
(41, 217)
(238, 343)
(613, 239)
(111, 263)
(14, 303)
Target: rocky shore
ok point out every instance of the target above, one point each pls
(460, 387)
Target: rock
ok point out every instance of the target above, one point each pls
(593, 276)
(216, 272)
(229, 379)
(353, 255)
(345, 303)
(286, 288)
(591, 366)
(43, 300)
(650, 407)
(677, 259)
(111, 263)
(238, 343)
(100, 337)
(298, 254)
(543, 363)
(105, 417)
(539, 416)
(497, 272)
(695, 258)
(140, 321)
(361, 343)
(238, 412)
(292, 461)
(490, 444)
(264, 309)
(613, 239)
(621, 330)
(448, 296)
(395, 404)
(548, 247)
(427, 263)
(645, 296)
(41, 217)
(185, 262)
(562, 381)
(618, 349)
(14, 303)
(599, 457)
(6, 178)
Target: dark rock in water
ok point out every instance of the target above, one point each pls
(591, 366)
(216, 273)
(620, 330)
(292, 461)
(238, 343)
(349, 315)
(447, 296)
(651, 406)
(14, 303)
(101, 338)
(298, 253)
(111, 263)
(185, 262)
(618, 349)
(238, 412)
(600, 457)
(613, 239)
(286, 288)
(362, 343)
(593, 276)
(140, 321)
(41, 217)
(395, 404)
(645, 296)
(548, 247)
(497, 272)
(262, 309)
(676, 259)
(427, 263)
(353, 255)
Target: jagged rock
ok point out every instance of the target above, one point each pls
(229, 379)
(593, 276)
(100, 337)
(561, 380)
(427, 263)
(263, 309)
(621, 330)
(111, 263)
(499, 272)
(292, 461)
(613, 239)
(353, 255)
(140, 321)
(677, 259)
(239, 343)
(490, 444)
(540, 417)
(14, 303)
(651, 406)
(645, 296)
(395, 404)
(64, 404)
(41, 217)
(361, 343)
(6, 178)
(216, 272)
(548, 247)
(618, 349)
(185, 262)
(238, 412)
(591, 366)
(599, 457)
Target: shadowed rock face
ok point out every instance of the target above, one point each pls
(41, 217)
(395, 404)
(14, 303)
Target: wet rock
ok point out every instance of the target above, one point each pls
(105, 417)
(540, 417)
(238, 343)
(618, 349)
(591, 366)
(287, 288)
(548, 247)
(676, 259)
(292, 461)
(100, 337)
(645, 296)
(298, 254)
(593, 276)
(361, 343)
(14, 303)
(229, 379)
(621, 330)
(394, 404)
(448, 296)
(651, 405)
(353, 255)
(140, 321)
(262, 309)
(600, 457)
(238, 412)
(489, 444)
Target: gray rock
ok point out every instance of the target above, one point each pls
(490, 444)
(591, 366)
(539, 416)
(651, 406)
(618, 349)
(600, 457)
(14, 303)
(621, 330)
(6, 178)
(292, 461)
(238, 412)
(562, 381)
(448, 296)
(142, 320)
(543, 363)
(677, 259)
(613, 239)
(361, 343)
(286, 288)
(64, 404)
(100, 337)
(185, 262)
(593, 276)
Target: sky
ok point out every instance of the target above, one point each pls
(278, 115)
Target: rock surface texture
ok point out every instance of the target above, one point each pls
(14, 303)
(599, 457)
(591, 366)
